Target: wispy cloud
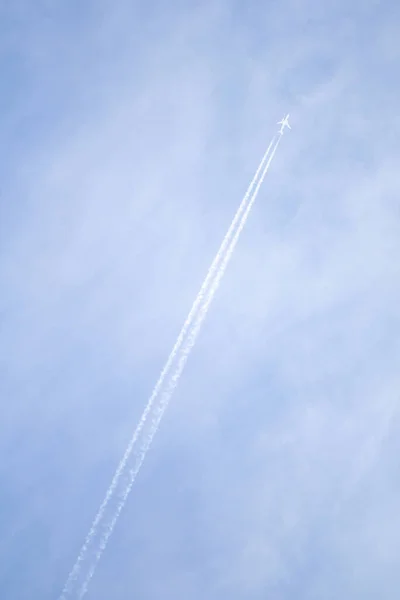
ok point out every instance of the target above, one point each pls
(129, 137)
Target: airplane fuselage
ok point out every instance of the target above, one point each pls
(284, 123)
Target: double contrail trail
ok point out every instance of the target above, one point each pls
(124, 477)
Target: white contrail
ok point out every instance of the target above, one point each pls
(163, 402)
(92, 532)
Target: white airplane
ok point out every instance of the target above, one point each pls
(284, 123)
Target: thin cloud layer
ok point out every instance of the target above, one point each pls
(129, 137)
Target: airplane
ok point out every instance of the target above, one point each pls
(284, 123)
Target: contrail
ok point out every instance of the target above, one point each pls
(92, 532)
(161, 405)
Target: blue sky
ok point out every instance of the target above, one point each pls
(129, 134)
